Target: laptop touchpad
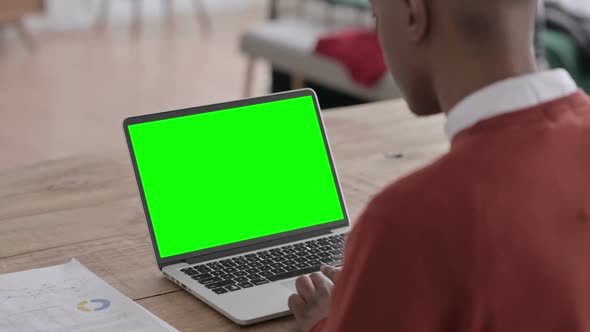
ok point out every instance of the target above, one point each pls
(290, 284)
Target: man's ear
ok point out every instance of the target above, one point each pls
(418, 23)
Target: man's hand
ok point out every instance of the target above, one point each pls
(314, 295)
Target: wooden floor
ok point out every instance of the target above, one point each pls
(70, 96)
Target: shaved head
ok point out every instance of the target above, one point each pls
(440, 50)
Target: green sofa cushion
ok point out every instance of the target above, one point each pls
(562, 52)
(360, 4)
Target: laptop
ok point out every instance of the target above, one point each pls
(240, 199)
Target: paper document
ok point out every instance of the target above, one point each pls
(69, 298)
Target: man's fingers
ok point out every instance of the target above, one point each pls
(297, 306)
(305, 288)
(322, 284)
(331, 272)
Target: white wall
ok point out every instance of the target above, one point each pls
(580, 7)
(70, 14)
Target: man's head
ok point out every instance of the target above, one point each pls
(431, 45)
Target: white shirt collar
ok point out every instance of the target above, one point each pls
(509, 96)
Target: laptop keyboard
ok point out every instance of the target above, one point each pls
(259, 268)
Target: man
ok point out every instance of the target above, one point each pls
(495, 235)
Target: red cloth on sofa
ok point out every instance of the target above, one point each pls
(359, 50)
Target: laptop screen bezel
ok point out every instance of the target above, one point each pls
(219, 107)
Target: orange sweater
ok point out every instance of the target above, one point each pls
(494, 236)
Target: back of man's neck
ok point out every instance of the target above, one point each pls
(459, 78)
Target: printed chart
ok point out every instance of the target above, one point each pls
(68, 298)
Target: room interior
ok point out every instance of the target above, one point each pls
(149, 56)
(72, 70)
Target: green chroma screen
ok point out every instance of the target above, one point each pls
(226, 176)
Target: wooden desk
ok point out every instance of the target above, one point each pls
(88, 208)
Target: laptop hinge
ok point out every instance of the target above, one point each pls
(257, 246)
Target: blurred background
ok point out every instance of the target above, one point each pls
(72, 70)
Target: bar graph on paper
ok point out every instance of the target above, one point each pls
(68, 298)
